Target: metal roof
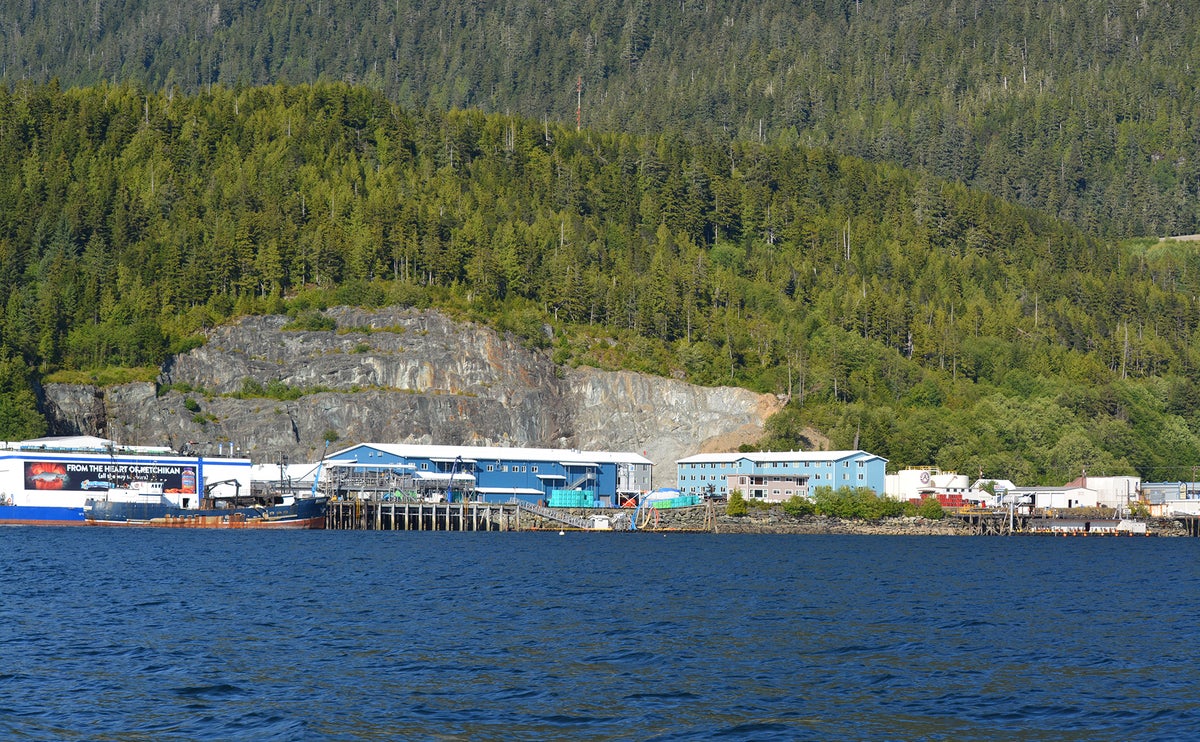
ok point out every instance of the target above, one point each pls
(774, 457)
(500, 453)
(508, 491)
(443, 476)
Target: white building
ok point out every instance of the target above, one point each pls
(1059, 498)
(1112, 492)
(981, 495)
(929, 481)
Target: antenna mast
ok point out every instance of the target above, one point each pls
(578, 100)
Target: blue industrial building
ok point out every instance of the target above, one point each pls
(777, 475)
(500, 474)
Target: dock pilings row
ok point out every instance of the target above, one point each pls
(374, 515)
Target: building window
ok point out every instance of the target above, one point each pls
(424, 466)
(490, 467)
(534, 469)
(504, 468)
(860, 476)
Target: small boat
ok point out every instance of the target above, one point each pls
(145, 504)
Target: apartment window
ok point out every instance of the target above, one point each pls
(504, 468)
(860, 477)
(424, 466)
(490, 467)
(534, 468)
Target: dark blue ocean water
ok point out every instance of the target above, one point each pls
(145, 634)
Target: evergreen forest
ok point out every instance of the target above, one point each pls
(1084, 109)
(900, 312)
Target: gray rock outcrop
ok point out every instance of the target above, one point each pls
(401, 376)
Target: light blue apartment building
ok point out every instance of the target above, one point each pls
(778, 475)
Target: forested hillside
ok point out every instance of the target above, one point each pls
(1086, 109)
(903, 314)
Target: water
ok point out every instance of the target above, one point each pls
(143, 634)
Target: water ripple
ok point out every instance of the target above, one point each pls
(380, 636)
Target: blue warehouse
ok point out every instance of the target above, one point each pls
(555, 477)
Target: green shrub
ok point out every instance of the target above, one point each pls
(185, 344)
(931, 509)
(312, 321)
(276, 389)
(251, 388)
(736, 506)
(191, 405)
(798, 506)
(857, 503)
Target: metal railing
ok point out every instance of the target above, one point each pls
(574, 521)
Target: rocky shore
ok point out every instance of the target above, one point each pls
(815, 524)
(776, 521)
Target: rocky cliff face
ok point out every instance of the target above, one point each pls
(403, 376)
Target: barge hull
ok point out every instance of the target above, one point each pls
(303, 515)
(36, 515)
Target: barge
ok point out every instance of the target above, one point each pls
(146, 504)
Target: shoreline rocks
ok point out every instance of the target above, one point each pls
(774, 521)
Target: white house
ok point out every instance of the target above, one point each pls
(981, 495)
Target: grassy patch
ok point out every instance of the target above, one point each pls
(103, 377)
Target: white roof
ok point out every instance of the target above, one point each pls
(502, 453)
(761, 457)
(1000, 484)
(438, 476)
(355, 464)
(291, 472)
(508, 491)
(82, 443)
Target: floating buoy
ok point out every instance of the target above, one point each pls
(562, 533)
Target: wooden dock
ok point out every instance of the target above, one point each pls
(407, 515)
(1190, 522)
(993, 523)
(373, 515)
